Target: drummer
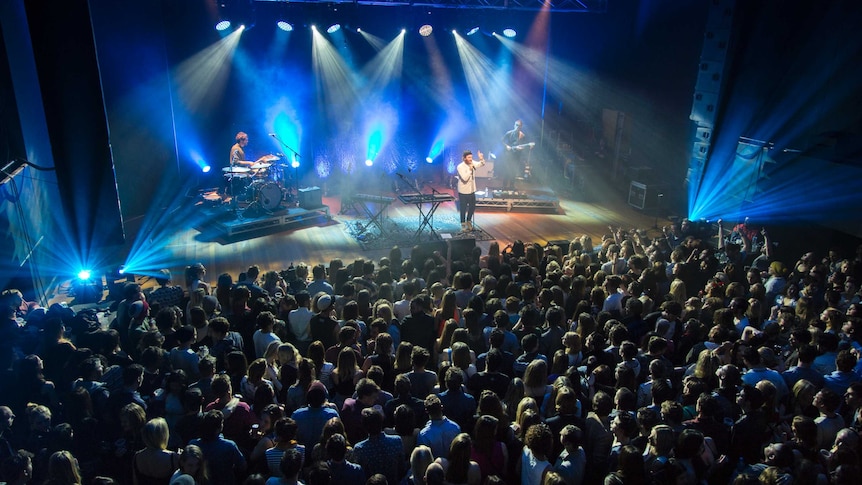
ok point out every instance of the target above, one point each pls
(237, 154)
(238, 161)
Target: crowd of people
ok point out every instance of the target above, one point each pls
(636, 360)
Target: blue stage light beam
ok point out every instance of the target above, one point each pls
(436, 150)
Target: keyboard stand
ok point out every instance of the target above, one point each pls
(426, 219)
(378, 217)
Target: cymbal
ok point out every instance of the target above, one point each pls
(268, 158)
(235, 169)
(259, 165)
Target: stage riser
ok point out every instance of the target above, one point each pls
(518, 205)
(296, 216)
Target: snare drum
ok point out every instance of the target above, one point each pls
(269, 196)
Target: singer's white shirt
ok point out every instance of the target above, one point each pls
(467, 177)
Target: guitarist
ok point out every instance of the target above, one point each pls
(513, 163)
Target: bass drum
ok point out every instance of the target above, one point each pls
(269, 196)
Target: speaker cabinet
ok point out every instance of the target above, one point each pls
(461, 248)
(310, 198)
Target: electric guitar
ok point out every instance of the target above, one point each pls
(520, 147)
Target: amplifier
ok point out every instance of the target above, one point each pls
(310, 198)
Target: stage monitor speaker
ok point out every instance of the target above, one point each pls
(563, 244)
(422, 251)
(310, 198)
(461, 248)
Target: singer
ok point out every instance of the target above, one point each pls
(467, 188)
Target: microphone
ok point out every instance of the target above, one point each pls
(272, 135)
(402, 176)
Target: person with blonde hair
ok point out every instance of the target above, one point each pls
(678, 292)
(155, 463)
(63, 469)
(536, 381)
(419, 461)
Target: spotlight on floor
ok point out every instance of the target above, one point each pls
(333, 28)
(426, 30)
(473, 31)
(509, 33)
(369, 162)
(285, 26)
(222, 25)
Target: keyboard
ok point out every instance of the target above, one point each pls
(376, 199)
(425, 198)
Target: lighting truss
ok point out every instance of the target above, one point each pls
(583, 6)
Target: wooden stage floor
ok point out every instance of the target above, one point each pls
(328, 239)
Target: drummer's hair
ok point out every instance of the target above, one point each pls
(241, 136)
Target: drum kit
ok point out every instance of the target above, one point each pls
(258, 184)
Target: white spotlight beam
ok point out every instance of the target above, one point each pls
(491, 89)
(202, 77)
(336, 86)
(385, 66)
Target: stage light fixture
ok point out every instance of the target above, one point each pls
(206, 168)
(369, 162)
(359, 30)
(84, 274)
(333, 28)
(454, 32)
(222, 25)
(429, 160)
(426, 30)
(295, 162)
(473, 31)
(509, 33)
(284, 25)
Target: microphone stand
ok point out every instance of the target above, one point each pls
(296, 156)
